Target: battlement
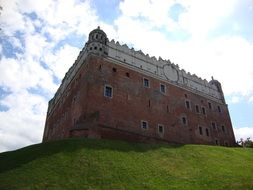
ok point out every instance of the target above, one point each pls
(165, 70)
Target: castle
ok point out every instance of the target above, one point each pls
(112, 91)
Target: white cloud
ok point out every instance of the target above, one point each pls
(41, 26)
(225, 58)
(60, 61)
(235, 99)
(21, 124)
(201, 17)
(243, 132)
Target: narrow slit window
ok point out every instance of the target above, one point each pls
(197, 108)
(204, 111)
(187, 104)
(200, 130)
(207, 132)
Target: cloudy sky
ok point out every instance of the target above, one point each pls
(40, 40)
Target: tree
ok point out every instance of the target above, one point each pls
(246, 143)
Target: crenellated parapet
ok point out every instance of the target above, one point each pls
(164, 69)
(99, 44)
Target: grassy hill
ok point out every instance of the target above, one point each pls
(106, 164)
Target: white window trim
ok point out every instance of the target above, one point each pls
(216, 128)
(158, 128)
(199, 109)
(190, 108)
(202, 130)
(186, 119)
(164, 88)
(144, 82)
(142, 125)
(218, 106)
(202, 111)
(106, 85)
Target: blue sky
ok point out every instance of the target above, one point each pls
(40, 40)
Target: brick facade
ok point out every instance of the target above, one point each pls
(110, 99)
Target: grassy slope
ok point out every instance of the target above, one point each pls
(106, 164)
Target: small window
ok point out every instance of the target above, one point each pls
(144, 124)
(204, 110)
(128, 75)
(162, 88)
(200, 130)
(197, 108)
(95, 47)
(214, 125)
(184, 120)
(108, 91)
(160, 129)
(223, 128)
(219, 109)
(207, 132)
(209, 105)
(100, 49)
(90, 48)
(187, 104)
(114, 69)
(146, 82)
(96, 36)
(185, 95)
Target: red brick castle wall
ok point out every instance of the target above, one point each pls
(111, 99)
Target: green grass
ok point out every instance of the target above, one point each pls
(107, 164)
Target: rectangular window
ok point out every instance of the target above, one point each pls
(144, 124)
(184, 120)
(146, 82)
(214, 125)
(204, 111)
(197, 108)
(108, 91)
(210, 105)
(223, 128)
(160, 129)
(219, 109)
(187, 104)
(207, 132)
(162, 88)
(200, 130)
